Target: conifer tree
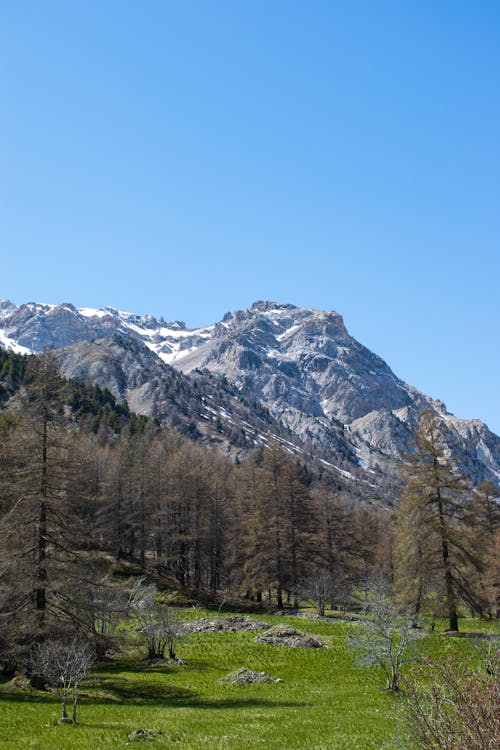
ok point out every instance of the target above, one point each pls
(485, 508)
(277, 525)
(42, 499)
(433, 522)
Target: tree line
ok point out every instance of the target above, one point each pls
(86, 486)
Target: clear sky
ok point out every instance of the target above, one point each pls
(188, 158)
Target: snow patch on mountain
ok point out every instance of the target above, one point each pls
(302, 365)
(9, 343)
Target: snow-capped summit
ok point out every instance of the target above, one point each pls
(302, 365)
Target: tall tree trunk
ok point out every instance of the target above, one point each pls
(75, 699)
(41, 590)
(64, 714)
(279, 597)
(448, 576)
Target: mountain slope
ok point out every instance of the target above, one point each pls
(321, 386)
(202, 406)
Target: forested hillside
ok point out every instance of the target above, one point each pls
(273, 371)
(87, 487)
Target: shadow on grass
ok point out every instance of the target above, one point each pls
(27, 697)
(115, 690)
(132, 665)
(110, 687)
(195, 702)
(122, 691)
(224, 703)
(109, 726)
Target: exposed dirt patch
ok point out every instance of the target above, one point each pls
(143, 734)
(247, 677)
(285, 635)
(224, 624)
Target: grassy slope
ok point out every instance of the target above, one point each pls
(323, 702)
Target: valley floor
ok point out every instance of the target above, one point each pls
(324, 701)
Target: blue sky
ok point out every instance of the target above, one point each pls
(186, 159)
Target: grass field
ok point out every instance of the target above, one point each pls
(324, 702)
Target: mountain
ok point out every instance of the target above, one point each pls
(272, 371)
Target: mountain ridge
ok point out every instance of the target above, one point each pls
(319, 382)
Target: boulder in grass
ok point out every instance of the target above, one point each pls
(143, 734)
(232, 623)
(19, 682)
(285, 635)
(246, 677)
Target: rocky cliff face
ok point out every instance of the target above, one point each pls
(322, 388)
(201, 405)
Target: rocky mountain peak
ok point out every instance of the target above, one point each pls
(300, 364)
(270, 306)
(6, 308)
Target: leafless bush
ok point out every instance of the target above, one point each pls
(386, 638)
(109, 606)
(63, 666)
(452, 704)
(157, 623)
(324, 586)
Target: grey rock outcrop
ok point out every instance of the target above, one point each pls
(285, 635)
(304, 378)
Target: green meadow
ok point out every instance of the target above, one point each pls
(324, 702)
